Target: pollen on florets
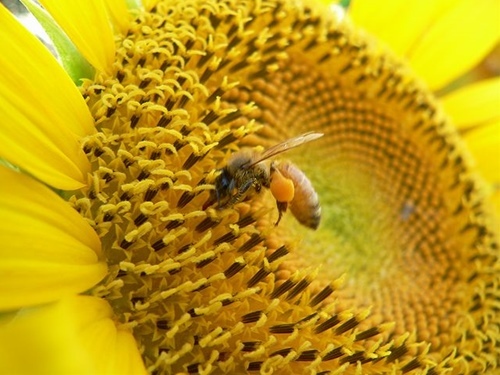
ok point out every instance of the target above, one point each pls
(207, 290)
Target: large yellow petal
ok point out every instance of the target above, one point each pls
(149, 4)
(43, 113)
(475, 104)
(398, 23)
(55, 339)
(457, 41)
(484, 143)
(69, 56)
(115, 350)
(28, 66)
(495, 200)
(119, 13)
(126, 358)
(87, 24)
(48, 250)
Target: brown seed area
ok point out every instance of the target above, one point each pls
(223, 291)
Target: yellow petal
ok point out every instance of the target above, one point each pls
(126, 357)
(42, 110)
(70, 58)
(54, 339)
(48, 250)
(149, 4)
(120, 16)
(397, 23)
(457, 41)
(115, 351)
(495, 199)
(87, 25)
(474, 104)
(30, 70)
(484, 143)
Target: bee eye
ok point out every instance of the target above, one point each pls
(282, 188)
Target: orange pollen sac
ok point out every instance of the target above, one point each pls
(282, 188)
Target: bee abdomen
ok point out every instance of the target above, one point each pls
(305, 203)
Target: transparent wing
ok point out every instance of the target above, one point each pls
(286, 145)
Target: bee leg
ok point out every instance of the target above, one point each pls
(282, 206)
(239, 194)
(218, 198)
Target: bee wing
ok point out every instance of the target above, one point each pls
(286, 145)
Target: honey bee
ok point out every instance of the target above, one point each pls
(248, 170)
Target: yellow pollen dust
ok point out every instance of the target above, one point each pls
(398, 278)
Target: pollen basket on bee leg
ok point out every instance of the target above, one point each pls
(281, 187)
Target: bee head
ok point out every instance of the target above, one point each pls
(224, 183)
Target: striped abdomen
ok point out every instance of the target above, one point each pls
(305, 203)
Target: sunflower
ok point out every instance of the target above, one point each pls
(109, 170)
